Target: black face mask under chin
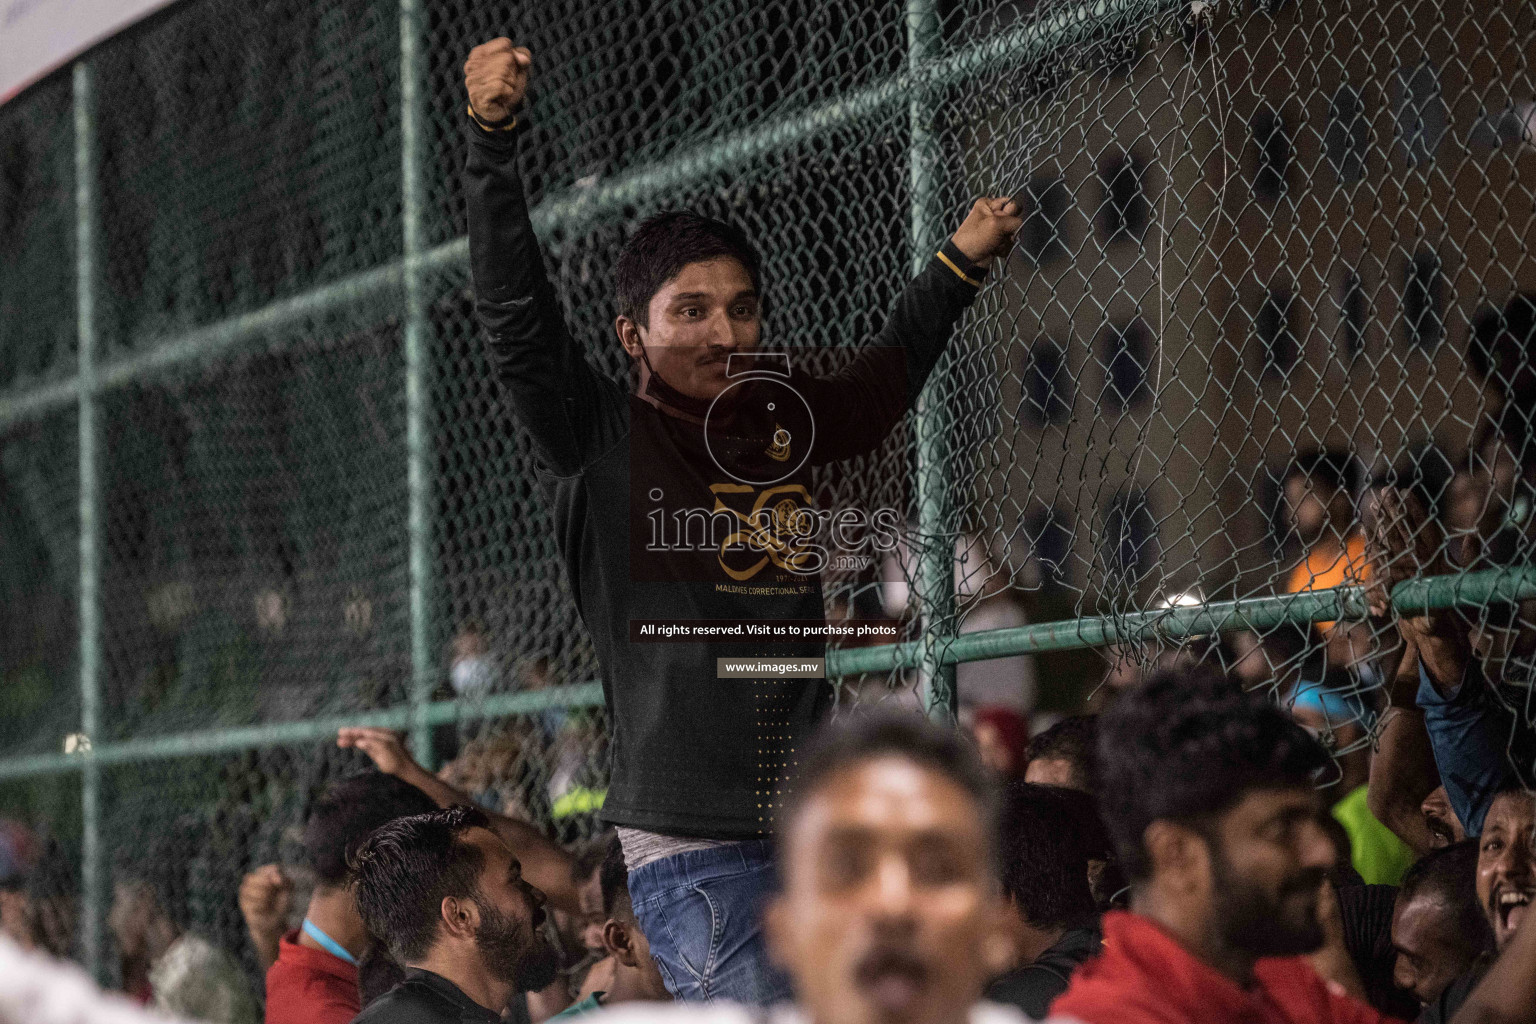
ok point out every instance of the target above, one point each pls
(654, 386)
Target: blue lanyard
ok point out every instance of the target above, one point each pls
(327, 943)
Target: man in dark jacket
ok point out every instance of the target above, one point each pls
(447, 896)
(1045, 858)
(690, 500)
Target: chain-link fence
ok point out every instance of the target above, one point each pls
(256, 481)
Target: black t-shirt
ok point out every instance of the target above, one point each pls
(425, 998)
(1443, 1009)
(1033, 987)
(692, 754)
(1366, 913)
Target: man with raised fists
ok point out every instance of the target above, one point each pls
(716, 432)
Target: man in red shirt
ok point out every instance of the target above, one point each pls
(1208, 793)
(314, 980)
(311, 985)
(314, 977)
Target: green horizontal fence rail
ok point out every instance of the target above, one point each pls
(307, 731)
(1461, 590)
(1467, 590)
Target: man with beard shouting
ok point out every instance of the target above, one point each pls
(447, 896)
(1207, 791)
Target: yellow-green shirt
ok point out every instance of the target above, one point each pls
(1379, 856)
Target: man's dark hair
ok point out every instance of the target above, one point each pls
(407, 867)
(1502, 336)
(1186, 746)
(667, 243)
(1426, 470)
(843, 744)
(377, 973)
(1073, 740)
(589, 857)
(613, 876)
(1045, 854)
(1328, 468)
(1450, 876)
(348, 811)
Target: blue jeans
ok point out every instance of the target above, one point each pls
(702, 913)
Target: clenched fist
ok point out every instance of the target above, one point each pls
(496, 78)
(266, 896)
(384, 747)
(988, 230)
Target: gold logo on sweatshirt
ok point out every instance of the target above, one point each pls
(778, 451)
(773, 530)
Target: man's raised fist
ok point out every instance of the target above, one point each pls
(496, 78)
(988, 230)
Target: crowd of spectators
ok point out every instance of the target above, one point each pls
(1423, 794)
(1178, 865)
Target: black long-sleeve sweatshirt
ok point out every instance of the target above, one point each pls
(693, 755)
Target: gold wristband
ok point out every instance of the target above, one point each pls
(491, 126)
(952, 265)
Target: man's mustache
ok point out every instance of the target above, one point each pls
(888, 960)
(1310, 880)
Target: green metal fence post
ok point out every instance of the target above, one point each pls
(92, 871)
(418, 433)
(935, 571)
